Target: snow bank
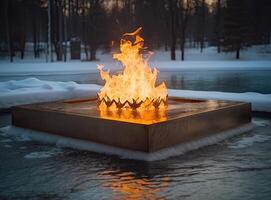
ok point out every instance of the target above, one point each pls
(77, 67)
(260, 102)
(123, 153)
(33, 90)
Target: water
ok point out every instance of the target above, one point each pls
(225, 81)
(239, 168)
(208, 80)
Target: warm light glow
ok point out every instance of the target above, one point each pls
(134, 116)
(135, 87)
(126, 185)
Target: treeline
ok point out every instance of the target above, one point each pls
(230, 25)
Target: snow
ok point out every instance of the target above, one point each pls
(249, 141)
(44, 154)
(256, 52)
(61, 141)
(61, 68)
(255, 58)
(33, 90)
(260, 102)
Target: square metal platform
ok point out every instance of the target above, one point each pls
(183, 121)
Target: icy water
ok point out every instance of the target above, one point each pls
(239, 168)
(208, 80)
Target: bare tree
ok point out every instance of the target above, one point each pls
(7, 10)
(218, 26)
(202, 33)
(184, 12)
(94, 26)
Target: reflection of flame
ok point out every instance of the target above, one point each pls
(128, 186)
(135, 86)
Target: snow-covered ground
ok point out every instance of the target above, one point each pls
(257, 52)
(256, 58)
(58, 68)
(33, 90)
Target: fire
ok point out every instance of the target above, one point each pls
(135, 87)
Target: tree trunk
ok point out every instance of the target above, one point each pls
(269, 36)
(38, 40)
(22, 46)
(22, 53)
(203, 26)
(172, 51)
(65, 35)
(92, 53)
(238, 53)
(49, 39)
(34, 37)
(201, 45)
(218, 48)
(84, 31)
(173, 44)
(60, 24)
(182, 49)
(182, 39)
(8, 29)
(86, 50)
(218, 25)
(182, 46)
(56, 46)
(173, 30)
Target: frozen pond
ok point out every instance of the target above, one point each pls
(208, 80)
(238, 168)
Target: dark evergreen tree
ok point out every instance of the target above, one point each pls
(237, 30)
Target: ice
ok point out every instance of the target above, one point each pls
(123, 153)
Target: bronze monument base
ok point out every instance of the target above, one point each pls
(183, 121)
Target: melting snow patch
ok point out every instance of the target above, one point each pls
(249, 141)
(5, 131)
(261, 122)
(43, 154)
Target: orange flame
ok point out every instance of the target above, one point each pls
(136, 85)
